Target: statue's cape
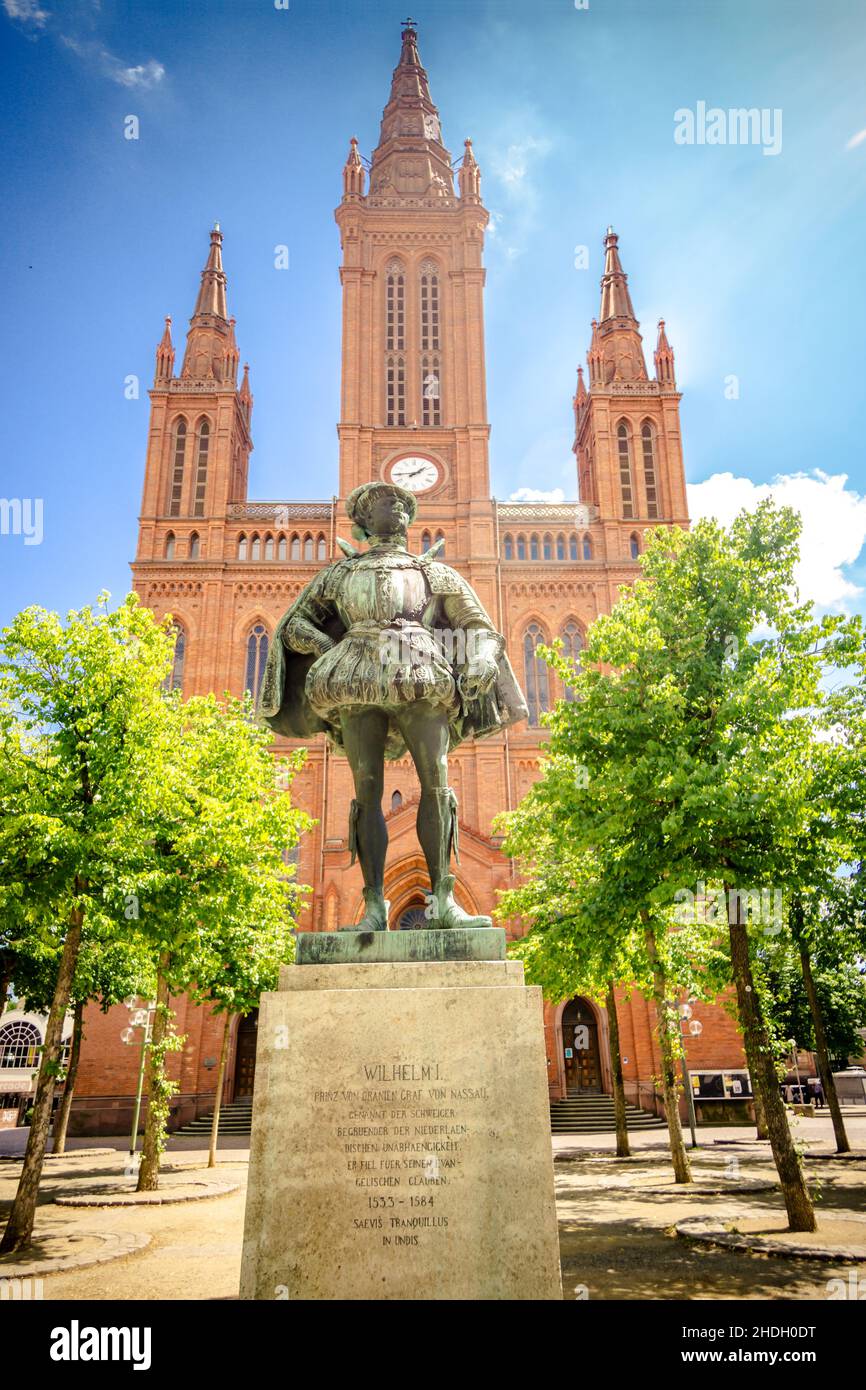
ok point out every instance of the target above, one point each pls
(283, 704)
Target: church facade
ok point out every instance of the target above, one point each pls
(413, 409)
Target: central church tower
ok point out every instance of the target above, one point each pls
(413, 403)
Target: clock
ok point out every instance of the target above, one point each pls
(414, 473)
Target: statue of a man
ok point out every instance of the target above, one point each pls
(386, 651)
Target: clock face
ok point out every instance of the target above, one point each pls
(414, 473)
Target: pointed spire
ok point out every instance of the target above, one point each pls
(410, 159)
(664, 358)
(594, 357)
(616, 353)
(615, 298)
(581, 393)
(211, 300)
(165, 355)
(211, 351)
(245, 395)
(354, 173)
(470, 175)
(233, 355)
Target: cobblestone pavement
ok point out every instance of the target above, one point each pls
(617, 1240)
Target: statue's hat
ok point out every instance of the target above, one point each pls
(358, 501)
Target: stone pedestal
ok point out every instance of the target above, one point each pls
(401, 1135)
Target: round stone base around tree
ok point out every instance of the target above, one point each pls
(841, 1237)
(59, 1246)
(115, 1193)
(649, 1184)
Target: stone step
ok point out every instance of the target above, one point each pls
(595, 1114)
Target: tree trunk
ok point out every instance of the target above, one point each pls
(761, 1131)
(822, 1051)
(59, 1145)
(19, 1228)
(682, 1168)
(218, 1099)
(158, 1088)
(622, 1148)
(759, 1054)
(4, 989)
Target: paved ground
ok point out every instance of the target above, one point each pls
(616, 1243)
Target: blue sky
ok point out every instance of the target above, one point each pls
(245, 114)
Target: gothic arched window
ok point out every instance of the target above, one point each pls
(201, 468)
(19, 1044)
(395, 307)
(321, 549)
(560, 547)
(509, 548)
(572, 646)
(395, 391)
(572, 548)
(269, 547)
(242, 547)
(548, 547)
(440, 536)
(281, 548)
(536, 676)
(623, 444)
(308, 547)
(633, 545)
(429, 286)
(426, 541)
(396, 800)
(296, 548)
(194, 546)
(431, 413)
(257, 655)
(256, 548)
(169, 546)
(521, 547)
(533, 547)
(177, 468)
(587, 548)
(174, 679)
(649, 469)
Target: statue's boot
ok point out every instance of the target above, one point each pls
(375, 917)
(445, 912)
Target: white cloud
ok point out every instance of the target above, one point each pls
(514, 165)
(856, 139)
(834, 524)
(27, 12)
(142, 76)
(537, 494)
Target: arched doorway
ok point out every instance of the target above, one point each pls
(245, 1056)
(581, 1057)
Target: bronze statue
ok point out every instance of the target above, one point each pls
(385, 651)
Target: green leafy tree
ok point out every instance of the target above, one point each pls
(214, 898)
(80, 705)
(694, 715)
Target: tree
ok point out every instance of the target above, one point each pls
(693, 717)
(214, 898)
(80, 703)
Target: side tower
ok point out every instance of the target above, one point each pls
(627, 425)
(199, 441)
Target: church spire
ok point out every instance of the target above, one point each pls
(353, 172)
(616, 353)
(211, 351)
(211, 302)
(410, 159)
(615, 298)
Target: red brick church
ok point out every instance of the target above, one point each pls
(413, 408)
